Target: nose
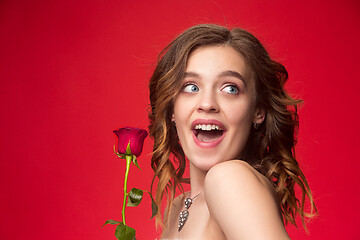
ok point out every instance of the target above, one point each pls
(207, 102)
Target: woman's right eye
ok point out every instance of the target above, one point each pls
(190, 88)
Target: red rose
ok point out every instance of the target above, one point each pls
(136, 136)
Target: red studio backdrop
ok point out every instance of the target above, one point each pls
(72, 71)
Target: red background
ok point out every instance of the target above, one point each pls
(72, 71)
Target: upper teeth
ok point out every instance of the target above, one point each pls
(207, 127)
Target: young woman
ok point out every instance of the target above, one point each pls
(217, 100)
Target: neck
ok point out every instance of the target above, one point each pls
(197, 178)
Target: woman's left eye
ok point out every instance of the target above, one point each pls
(231, 89)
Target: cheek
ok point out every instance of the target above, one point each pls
(178, 108)
(239, 114)
(181, 114)
(182, 108)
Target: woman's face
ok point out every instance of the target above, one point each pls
(215, 108)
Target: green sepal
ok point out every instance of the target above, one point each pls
(154, 207)
(128, 149)
(134, 160)
(111, 222)
(135, 197)
(122, 156)
(123, 232)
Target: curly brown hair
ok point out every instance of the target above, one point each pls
(270, 148)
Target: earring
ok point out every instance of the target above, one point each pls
(256, 125)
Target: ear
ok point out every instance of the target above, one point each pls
(259, 115)
(172, 118)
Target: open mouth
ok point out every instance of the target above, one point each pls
(208, 132)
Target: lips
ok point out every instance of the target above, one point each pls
(208, 132)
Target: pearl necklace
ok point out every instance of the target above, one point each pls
(184, 215)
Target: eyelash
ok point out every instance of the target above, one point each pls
(234, 86)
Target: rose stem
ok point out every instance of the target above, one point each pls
(128, 161)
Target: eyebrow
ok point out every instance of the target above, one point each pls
(227, 73)
(230, 73)
(191, 74)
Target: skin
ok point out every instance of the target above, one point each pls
(235, 201)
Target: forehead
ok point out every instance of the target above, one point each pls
(209, 60)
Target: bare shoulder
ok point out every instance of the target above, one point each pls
(240, 180)
(243, 202)
(237, 170)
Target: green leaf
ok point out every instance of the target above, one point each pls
(154, 207)
(134, 160)
(123, 232)
(135, 197)
(111, 222)
(128, 149)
